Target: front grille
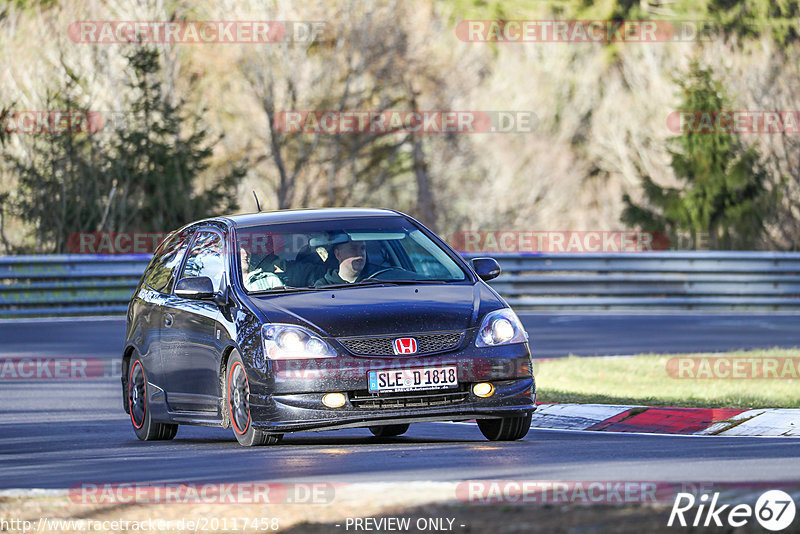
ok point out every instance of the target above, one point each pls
(410, 399)
(383, 346)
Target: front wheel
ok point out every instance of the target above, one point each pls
(388, 431)
(505, 429)
(144, 427)
(237, 399)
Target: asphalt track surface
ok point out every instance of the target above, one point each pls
(59, 433)
(552, 335)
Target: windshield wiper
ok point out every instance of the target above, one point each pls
(292, 289)
(363, 283)
(374, 282)
(281, 289)
(358, 284)
(412, 282)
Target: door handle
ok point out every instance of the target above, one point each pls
(168, 319)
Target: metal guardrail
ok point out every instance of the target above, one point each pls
(87, 284)
(76, 284)
(651, 280)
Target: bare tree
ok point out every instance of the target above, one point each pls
(359, 66)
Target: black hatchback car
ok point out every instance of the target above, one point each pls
(321, 319)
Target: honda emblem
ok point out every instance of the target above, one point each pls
(405, 345)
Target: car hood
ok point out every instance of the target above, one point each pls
(367, 311)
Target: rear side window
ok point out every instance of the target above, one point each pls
(206, 258)
(163, 268)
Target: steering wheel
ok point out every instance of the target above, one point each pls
(271, 257)
(376, 273)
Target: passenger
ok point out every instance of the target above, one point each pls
(352, 257)
(260, 279)
(308, 266)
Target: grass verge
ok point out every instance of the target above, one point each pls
(659, 380)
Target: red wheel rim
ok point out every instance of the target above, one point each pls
(238, 398)
(137, 394)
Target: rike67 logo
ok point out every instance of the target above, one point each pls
(774, 510)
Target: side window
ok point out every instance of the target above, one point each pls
(206, 258)
(162, 269)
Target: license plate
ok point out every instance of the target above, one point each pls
(442, 377)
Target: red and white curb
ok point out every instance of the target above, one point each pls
(656, 420)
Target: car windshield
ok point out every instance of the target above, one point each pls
(341, 253)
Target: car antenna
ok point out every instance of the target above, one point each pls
(258, 206)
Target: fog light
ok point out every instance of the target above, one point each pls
(483, 389)
(333, 400)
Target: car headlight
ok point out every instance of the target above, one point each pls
(290, 342)
(501, 327)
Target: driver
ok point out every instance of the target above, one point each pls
(260, 279)
(352, 257)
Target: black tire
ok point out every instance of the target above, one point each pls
(505, 429)
(388, 431)
(144, 427)
(237, 402)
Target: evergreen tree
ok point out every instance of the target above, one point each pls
(61, 183)
(723, 190)
(156, 155)
(139, 175)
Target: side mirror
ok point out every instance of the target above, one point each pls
(222, 297)
(486, 268)
(195, 287)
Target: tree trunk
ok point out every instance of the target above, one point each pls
(426, 204)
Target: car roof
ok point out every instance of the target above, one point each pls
(306, 215)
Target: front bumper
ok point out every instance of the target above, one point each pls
(289, 397)
(293, 413)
